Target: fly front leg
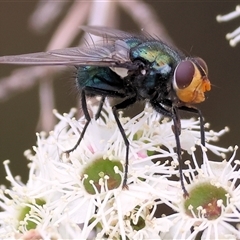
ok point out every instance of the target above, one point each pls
(176, 127)
(199, 113)
(177, 132)
(174, 115)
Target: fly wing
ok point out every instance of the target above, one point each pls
(106, 32)
(90, 56)
(110, 33)
(112, 52)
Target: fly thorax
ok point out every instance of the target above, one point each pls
(163, 69)
(162, 65)
(146, 84)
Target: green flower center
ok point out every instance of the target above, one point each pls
(102, 171)
(28, 211)
(205, 198)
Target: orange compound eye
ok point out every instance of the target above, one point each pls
(190, 80)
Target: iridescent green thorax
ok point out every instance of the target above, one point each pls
(160, 57)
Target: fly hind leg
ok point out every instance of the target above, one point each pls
(88, 118)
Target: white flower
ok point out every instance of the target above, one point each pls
(233, 37)
(80, 195)
(29, 207)
(212, 209)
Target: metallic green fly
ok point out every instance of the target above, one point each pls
(155, 72)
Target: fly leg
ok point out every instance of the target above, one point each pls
(199, 113)
(115, 109)
(177, 132)
(97, 115)
(173, 114)
(88, 118)
(94, 91)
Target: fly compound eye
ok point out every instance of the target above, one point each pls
(190, 80)
(183, 74)
(202, 64)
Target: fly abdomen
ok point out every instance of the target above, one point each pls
(99, 81)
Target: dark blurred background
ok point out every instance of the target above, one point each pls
(192, 26)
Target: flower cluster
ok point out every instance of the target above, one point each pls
(80, 195)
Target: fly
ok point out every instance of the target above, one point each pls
(154, 72)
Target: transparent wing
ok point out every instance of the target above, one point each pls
(113, 52)
(106, 32)
(110, 33)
